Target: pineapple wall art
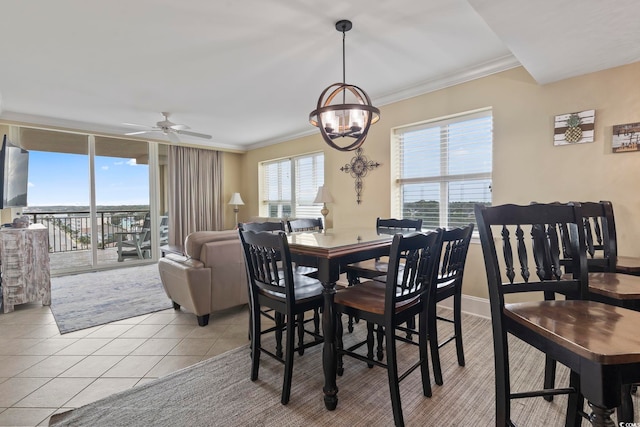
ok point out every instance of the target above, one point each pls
(574, 128)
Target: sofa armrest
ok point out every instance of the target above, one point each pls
(186, 261)
(187, 283)
(195, 241)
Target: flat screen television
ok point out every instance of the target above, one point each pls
(14, 162)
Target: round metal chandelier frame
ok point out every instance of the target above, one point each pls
(356, 130)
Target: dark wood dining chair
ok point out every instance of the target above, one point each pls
(602, 238)
(596, 341)
(455, 246)
(606, 283)
(602, 241)
(278, 318)
(274, 284)
(304, 224)
(376, 269)
(271, 226)
(403, 296)
(373, 268)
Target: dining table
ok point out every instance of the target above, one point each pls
(330, 250)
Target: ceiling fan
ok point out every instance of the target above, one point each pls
(167, 127)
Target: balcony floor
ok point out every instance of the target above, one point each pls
(77, 261)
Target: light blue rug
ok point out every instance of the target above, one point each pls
(89, 299)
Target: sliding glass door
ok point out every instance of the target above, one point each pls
(123, 217)
(95, 194)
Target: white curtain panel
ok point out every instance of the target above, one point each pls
(195, 192)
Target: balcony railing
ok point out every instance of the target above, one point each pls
(71, 230)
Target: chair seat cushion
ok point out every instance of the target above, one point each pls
(305, 288)
(583, 327)
(368, 296)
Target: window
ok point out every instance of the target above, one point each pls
(289, 186)
(443, 169)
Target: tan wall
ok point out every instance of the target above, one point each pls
(526, 164)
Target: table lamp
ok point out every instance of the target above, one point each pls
(236, 200)
(323, 197)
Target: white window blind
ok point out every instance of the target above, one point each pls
(289, 186)
(444, 168)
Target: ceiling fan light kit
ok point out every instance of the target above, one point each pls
(351, 118)
(170, 129)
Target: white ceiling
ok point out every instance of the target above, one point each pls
(250, 71)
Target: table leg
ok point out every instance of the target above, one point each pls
(329, 355)
(601, 417)
(625, 410)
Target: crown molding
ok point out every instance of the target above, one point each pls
(478, 71)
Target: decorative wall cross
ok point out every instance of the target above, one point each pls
(358, 168)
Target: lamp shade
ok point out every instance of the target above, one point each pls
(236, 199)
(323, 196)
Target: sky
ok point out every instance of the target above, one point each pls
(63, 179)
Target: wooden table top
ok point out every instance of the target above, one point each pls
(333, 243)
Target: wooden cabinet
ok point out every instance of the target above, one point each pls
(24, 262)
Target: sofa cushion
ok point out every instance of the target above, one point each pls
(194, 241)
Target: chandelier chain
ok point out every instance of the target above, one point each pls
(344, 72)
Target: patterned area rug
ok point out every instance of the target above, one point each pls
(219, 392)
(89, 299)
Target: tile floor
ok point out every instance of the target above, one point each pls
(43, 372)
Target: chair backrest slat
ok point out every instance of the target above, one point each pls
(508, 253)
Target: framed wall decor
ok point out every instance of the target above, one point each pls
(574, 128)
(625, 138)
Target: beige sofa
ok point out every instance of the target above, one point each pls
(210, 277)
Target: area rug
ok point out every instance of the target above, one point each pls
(89, 299)
(218, 392)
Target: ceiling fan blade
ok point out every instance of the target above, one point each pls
(173, 137)
(138, 133)
(136, 125)
(179, 127)
(196, 134)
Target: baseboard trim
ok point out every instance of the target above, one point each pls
(475, 306)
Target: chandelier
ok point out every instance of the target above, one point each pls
(350, 119)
